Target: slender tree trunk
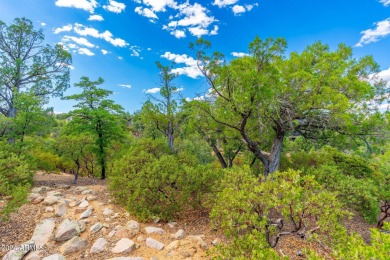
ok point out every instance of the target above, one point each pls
(11, 114)
(76, 174)
(219, 156)
(102, 159)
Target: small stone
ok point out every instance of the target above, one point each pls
(141, 239)
(61, 210)
(187, 253)
(63, 186)
(124, 245)
(84, 204)
(86, 214)
(54, 193)
(54, 257)
(299, 253)
(216, 241)
(173, 246)
(19, 252)
(172, 224)
(91, 197)
(95, 228)
(33, 196)
(152, 243)
(99, 245)
(154, 230)
(82, 225)
(111, 234)
(38, 199)
(84, 192)
(156, 220)
(49, 209)
(73, 245)
(115, 215)
(73, 204)
(80, 189)
(134, 227)
(107, 212)
(179, 234)
(200, 242)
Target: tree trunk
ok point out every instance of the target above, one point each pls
(11, 114)
(276, 152)
(76, 174)
(219, 156)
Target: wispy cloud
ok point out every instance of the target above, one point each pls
(381, 30)
(135, 51)
(80, 41)
(115, 7)
(125, 85)
(85, 51)
(239, 54)
(95, 17)
(385, 2)
(223, 3)
(104, 52)
(86, 5)
(65, 28)
(152, 90)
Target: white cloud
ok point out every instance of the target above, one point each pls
(125, 85)
(104, 52)
(85, 51)
(106, 35)
(238, 9)
(223, 3)
(43, 24)
(115, 7)
(65, 28)
(86, 5)
(373, 35)
(191, 69)
(198, 31)
(215, 30)
(385, 74)
(179, 89)
(95, 17)
(120, 58)
(158, 5)
(149, 49)
(385, 2)
(179, 34)
(79, 41)
(145, 12)
(239, 54)
(152, 90)
(135, 51)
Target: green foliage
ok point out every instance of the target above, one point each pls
(151, 182)
(15, 181)
(244, 210)
(355, 248)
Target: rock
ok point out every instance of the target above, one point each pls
(95, 228)
(187, 253)
(19, 252)
(199, 241)
(73, 245)
(54, 257)
(299, 253)
(83, 204)
(61, 210)
(33, 196)
(84, 192)
(179, 234)
(154, 230)
(80, 189)
(86, 214)
(124, 245)
(43, 232)
(99, 245)
(141, 239)
(134, 227)
(82, 226)
(38, 200)
(156, 220)
(51, 200)
(107, 212)
(49, 209)
(73, 204)
(54, 193)
(172, 224)
(152, 243)
(63, 186)
(91, 197)
(216, 241)
(66, 230)
(115, 215)
(173, 246)
(40, 190)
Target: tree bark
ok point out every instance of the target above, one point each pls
(219, 156)
(276, 152)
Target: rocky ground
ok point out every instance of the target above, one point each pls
(80, 221)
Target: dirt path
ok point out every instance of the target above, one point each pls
(71, 201)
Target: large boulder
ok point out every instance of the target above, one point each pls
(43, 232)
(66, 230)
(73, 245)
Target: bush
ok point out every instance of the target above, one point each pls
(351, 177)
(254, 214)
(15, 181)
(153, 184)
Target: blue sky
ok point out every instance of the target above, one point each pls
(121, 40)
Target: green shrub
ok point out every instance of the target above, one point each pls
(15, 181)
(153, 184)
(245, 210)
